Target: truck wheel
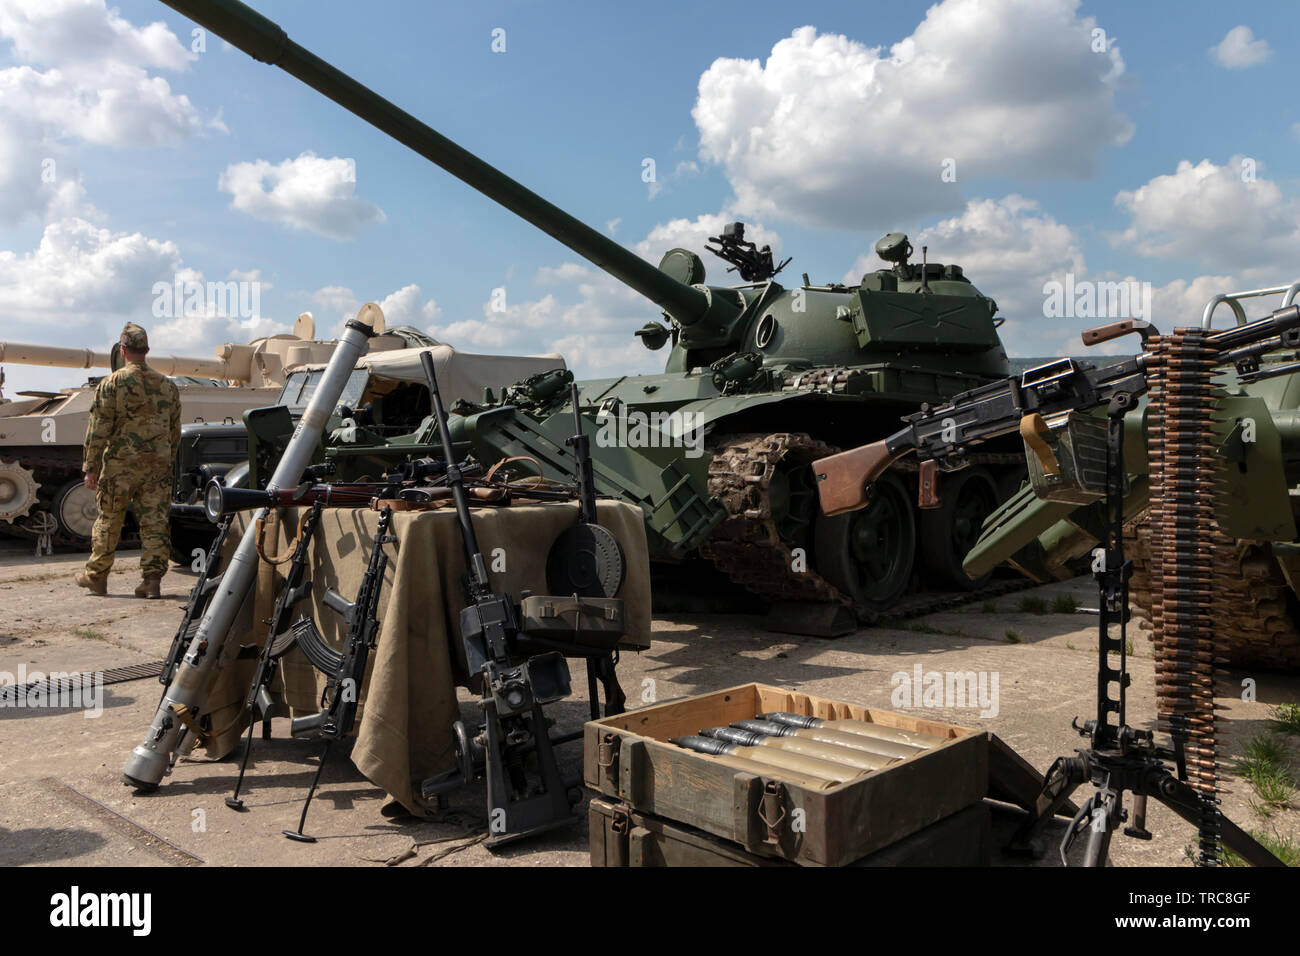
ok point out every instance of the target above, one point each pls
(869, 554)
(950, 531)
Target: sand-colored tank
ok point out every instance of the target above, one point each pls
(41, 433)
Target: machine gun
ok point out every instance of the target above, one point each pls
(940, 435)
(280, 638)
(753, 264)
(1118, 758)
(345, 669)
(514, 725)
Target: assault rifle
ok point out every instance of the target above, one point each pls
(279, 639)
(208, 581)
(940, 435)
(345, 669)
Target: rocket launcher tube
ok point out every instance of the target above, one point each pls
(798, 763)
(865, 727)
(843, 738)
(799, 745)
(185, 700)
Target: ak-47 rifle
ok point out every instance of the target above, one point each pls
(208, 581)
(280, 638)
(940, 435)
(346, 669)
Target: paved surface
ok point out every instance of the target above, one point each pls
(49, 757)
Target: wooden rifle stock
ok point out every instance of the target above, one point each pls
(844, 479)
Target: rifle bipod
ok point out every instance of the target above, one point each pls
(1121, 759)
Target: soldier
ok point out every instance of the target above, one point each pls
(131, 441)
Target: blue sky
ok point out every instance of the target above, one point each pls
(1168, 155)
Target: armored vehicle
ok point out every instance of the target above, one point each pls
(1047, 535)
(771, 376)
(41, 433)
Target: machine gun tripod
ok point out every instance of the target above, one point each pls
(1120, 759)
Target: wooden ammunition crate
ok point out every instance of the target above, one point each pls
(622, 837)
(628, 757)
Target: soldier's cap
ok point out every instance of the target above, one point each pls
(134, 338)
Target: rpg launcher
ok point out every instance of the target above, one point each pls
(345, 669)
(940, 435)
(410, 482)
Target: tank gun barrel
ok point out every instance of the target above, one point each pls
(264, 40)
(53, 356)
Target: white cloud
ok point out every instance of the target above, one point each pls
(830, 131)
(1222, 218)
(97, 90)
(336, 298)
(309, 193)
(87, 32)
(79, 268)
(1239, 50)
(407, 306)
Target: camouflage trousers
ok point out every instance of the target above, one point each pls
(148, 485)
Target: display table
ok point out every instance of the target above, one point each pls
(409, 702)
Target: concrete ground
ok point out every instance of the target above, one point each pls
(58, 764)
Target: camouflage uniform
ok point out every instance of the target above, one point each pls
(131, 441)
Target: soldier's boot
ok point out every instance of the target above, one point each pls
(92, 582)
(150, 586)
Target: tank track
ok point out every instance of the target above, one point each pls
(1258, 627)
(746, 545)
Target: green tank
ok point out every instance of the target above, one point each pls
(760, 379)
(1047, 533)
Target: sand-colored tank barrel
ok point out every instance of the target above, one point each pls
(53, 356)
(264, 40)
(16, 353)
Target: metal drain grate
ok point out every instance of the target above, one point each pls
(114, 675)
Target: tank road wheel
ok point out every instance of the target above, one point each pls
(869, 554)
(76, 511)
(950, 531)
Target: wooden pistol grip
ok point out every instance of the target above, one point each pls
(1113, 330)
(927, 488)
(844, 479)
(1035, 431)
